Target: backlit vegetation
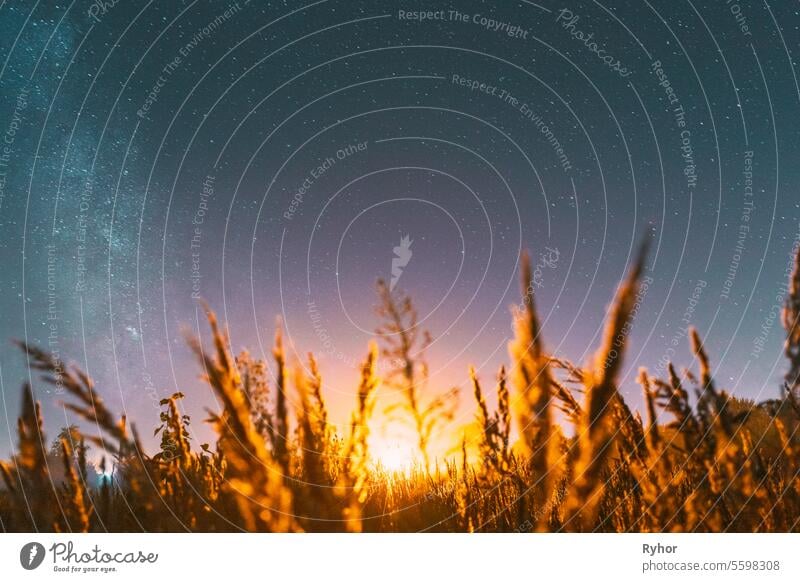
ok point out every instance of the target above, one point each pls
(562, 450)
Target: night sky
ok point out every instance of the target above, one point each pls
(268, 157)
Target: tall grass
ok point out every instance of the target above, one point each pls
(708, 462)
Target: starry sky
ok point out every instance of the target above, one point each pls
(268, 157)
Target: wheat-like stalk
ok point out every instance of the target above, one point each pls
(252, 474)
(597, 430)
(533, 382)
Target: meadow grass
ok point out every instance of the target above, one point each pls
(709, 462)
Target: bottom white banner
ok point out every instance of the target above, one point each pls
(401, 557)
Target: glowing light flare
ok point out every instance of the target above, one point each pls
(396, 454)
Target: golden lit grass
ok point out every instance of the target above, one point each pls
(708, 463)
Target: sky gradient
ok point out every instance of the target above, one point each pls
(269, 157)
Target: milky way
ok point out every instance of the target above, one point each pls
(276, 158)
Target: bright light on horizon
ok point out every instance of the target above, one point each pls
(395, 455)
